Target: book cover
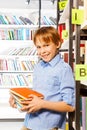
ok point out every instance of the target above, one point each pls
(24, 92)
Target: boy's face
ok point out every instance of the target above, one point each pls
(46, 51)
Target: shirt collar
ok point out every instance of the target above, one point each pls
(52, 62)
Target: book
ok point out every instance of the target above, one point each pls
(24, 92)
(2, 19)
(21, 94)
(23, 20)
(54, 20)
(28, 21)
(18, 101)
(84, 113)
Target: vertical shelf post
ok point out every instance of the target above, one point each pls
(39, 13)
(77, 43)
(58, 15)
(70, 114)
(70, 34)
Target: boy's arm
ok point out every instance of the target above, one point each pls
(37, 103)
(57, 106)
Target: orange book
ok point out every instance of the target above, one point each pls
(24, 92)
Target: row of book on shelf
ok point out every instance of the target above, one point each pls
(21, 20)
(17, 34)
(12, 19)
(20, 79)
(20, 64)
(22, 51)
(16, 65)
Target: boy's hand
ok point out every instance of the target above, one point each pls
(32, 104)
(12, 102)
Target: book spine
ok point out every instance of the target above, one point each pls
(46, 20)
(2, 19)
(9, 22)
(16, 20)
(28, 21)
(23, 80)
(85, 9)
(85, 52)
(23, 20)
(53, 20)
(86, 113)
(83, 113)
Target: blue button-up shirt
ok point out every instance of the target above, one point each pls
(56, 82)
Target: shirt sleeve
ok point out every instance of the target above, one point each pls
(67, 87)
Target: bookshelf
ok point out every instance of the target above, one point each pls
(67, 48)
(79, 35)
(81, 86)
(16, 43)
(17, 51)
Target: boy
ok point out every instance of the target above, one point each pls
(54, 79)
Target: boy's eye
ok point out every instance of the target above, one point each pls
(38, 47)
(46, 45)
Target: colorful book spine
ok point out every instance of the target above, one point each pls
(83, 113)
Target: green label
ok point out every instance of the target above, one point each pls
(65, 34)
(62, 4)
(77, 16)
(81, 72)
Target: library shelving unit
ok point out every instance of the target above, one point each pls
(67, 45)
(80, 33)
(81, 86)
(17, 54)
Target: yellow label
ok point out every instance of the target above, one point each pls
(62, 5)
(81, 72)
(65, 34)
(77, 16)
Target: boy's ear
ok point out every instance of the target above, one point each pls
(59, 45)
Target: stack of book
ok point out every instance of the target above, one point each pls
(22, 93)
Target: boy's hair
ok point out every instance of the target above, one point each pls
(47, 34)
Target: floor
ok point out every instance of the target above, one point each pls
(11, 125)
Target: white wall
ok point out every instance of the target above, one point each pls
(22, 4)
